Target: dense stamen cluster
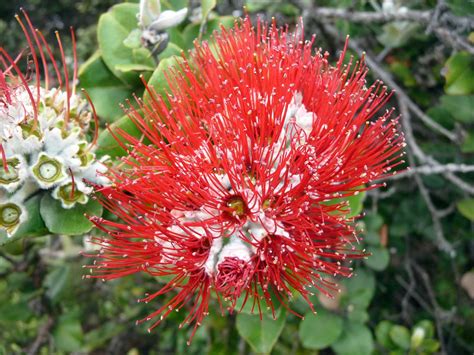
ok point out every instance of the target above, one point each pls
(43, 134)
(231, 197)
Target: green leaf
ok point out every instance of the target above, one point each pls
(174, 5)
(68, 222)
(105, 89)
(402, 71)
(468, 143)
(67, 333)
(107, 143)
(206, 8)
(373, 222)
(400, 335)
(318, 331)
(461, 7)
(360, 288)
(158, 78)
(176, 37)
(397, 34)
(429, 346)
(460, 74)
(379, 259)
(460, 107)
(113, 29)
(356, 339)
(133, 39)
(357, 315)
(57, 281)
(191, 32)
(131, 67)
(261, 335)
(15, 312)
(356, 204)
(466, 208)
(170, 50)
(382, 334)
(101, 336)
(427, 326)
(32, 227)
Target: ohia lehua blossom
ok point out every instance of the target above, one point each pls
(43, 131)
(232, 198)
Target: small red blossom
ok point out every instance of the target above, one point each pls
(257, 134)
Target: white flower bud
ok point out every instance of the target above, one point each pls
(149, 11)
(417, 337)
(168, 19)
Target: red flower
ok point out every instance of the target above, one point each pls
(256, 135)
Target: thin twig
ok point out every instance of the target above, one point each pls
(387, 79)
(403, 97)
(423, 17)
(433, 169)
(441, 316)
(441, 241)
(8, 258)
(42, 336)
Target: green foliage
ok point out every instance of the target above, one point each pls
(103, 87)
(460, 74)
(261, 334)
(466, 208)
(318, 331)
(356, 339)
(399, 339)
(113, 28)
(68, 222)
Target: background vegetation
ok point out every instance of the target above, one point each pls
(413, 296)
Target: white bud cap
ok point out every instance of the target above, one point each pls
(210, 263)
(168, 19)
(236, 248)
(149, 11)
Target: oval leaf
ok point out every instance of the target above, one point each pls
(105, 90)
(356, 339)
(466, 208)
(261, 335)
(68, 222)
(107, 144)
(318, 331)
(113, 30)
(379, 259)
(158, 78)
(460, 74)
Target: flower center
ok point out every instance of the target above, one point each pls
(9, 214)
(48, 171)
(235, 206)
(232, 276)
(7, 177)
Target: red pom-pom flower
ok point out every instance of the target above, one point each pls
(230, 197)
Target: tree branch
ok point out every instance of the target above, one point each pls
(433, 169)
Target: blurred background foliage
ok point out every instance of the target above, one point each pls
(414, 295)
